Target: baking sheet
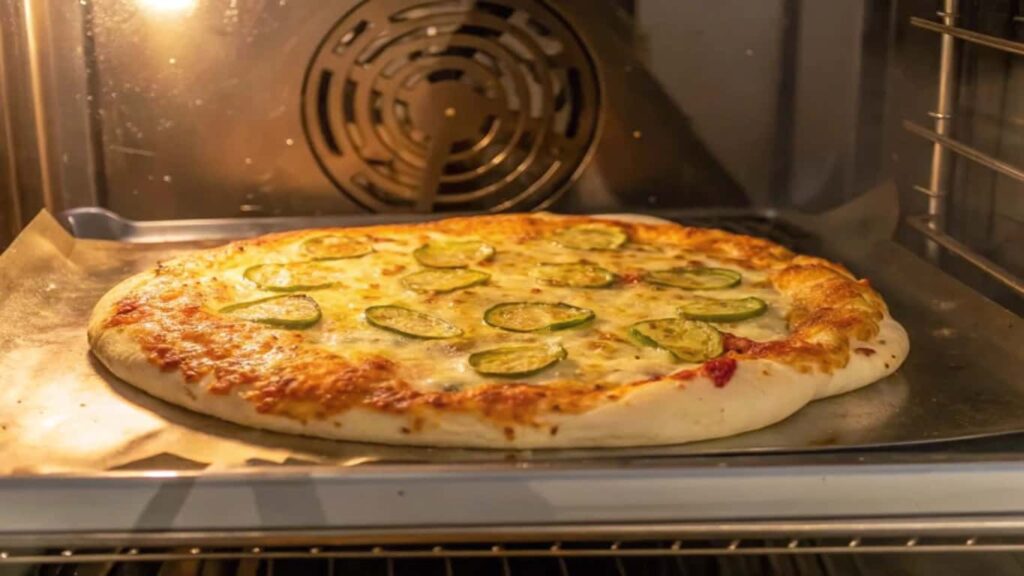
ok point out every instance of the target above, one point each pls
(61, 411)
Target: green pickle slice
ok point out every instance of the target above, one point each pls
(577, 275)
(716, 310)
(336, 247)
(687, 340)
(517, 361)
(695, 278)
(291, 277)
(536, 316)
(444, 279)
(294, 311)
(453, 254)
(410, 322)
(591, 237)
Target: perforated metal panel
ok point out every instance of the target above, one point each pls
(455, 104)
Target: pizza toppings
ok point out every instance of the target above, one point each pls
(336, 246)
(720, 370)
(576, 275)
(295, 311)
(453, 253)
(444, 279)
(291, 277)
(717, 310)
(517, 361)
(591, 237)
(687, 340)
(695, 278)
(410, 322)
(536, 316)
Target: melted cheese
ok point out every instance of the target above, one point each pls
(598, 352)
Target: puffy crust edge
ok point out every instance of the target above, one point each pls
(662, 412)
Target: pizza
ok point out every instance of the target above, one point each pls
(505, 331)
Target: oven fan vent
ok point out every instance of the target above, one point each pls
(451, 105)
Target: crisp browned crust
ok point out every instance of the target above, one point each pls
(279, 374)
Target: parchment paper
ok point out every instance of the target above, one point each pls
(61, 411)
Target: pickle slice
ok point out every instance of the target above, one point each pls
(336, 247)
(291, 277)
(715, 310)
(410, 322)
(695, 278)
(591, 237)
(295, 311)
(536, 316)
(453, 254)
(517, 361)
(577, 275)
(687, 340)
(444, 279)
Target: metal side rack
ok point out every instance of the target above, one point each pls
(933, 223)
(688, 551)
(558, 550)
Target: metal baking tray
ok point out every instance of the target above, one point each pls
(872, 453)
(961, 379)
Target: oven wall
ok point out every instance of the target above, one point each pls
(10, 217)
(151, 126)
(725, 68)
(742, 104)
(788, 94)
(49, 150)
(195, 109)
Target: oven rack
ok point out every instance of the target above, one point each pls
(932, 224)
(863, 536)
(554, 550)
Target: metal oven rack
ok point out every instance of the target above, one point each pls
(776, 548)
(656, 542)
(933, 223)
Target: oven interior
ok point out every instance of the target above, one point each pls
(149, 120)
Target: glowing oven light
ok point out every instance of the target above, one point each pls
(168, 6)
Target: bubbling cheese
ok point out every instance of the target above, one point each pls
(599, 351)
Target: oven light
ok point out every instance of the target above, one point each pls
(168, 6)
(160, 474)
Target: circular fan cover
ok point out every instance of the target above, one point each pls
(451, 105)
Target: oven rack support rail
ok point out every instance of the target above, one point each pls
(557, 549)
(933, 223)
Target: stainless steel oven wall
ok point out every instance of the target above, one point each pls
(10, 217)
(192, 108)
(788, 94)
(47, 147)
(727, 68)
(199, 108)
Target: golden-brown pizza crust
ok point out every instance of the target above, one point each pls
(154, 331)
